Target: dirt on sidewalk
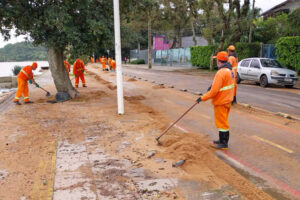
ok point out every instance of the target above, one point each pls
(83, 148)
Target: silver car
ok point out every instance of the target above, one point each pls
(265, 71)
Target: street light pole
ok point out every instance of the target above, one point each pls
(118, 58)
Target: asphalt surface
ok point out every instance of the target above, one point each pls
(263, 147)
(274, 99)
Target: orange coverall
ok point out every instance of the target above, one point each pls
(24, 75)
(233, 60)
(109, 63)
(113, 64)
(221, 93)
(67, 66)
(103, 61)
(78, 71)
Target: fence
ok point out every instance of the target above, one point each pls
(268, 51)
(171, 57)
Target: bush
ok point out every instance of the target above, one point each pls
(288, 52)
(138, 62)
(246, 50)
(16, 70)
(200, 55)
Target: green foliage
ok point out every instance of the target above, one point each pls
(200, 55)
(16, 70)
(138, 62)
(22, 51)
(80, 25)
(288, 51)
(246, 50)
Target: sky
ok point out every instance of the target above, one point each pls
(263, 4)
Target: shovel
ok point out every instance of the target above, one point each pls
(165, 131)
(47, 93)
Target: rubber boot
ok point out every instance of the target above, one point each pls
(234, 101)
(223, 144)
(17, 103)
(218, 141)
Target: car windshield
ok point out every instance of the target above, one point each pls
(270, 63)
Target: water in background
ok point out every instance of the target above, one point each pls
(6, 67)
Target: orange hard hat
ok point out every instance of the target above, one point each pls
(222, 55)
(34, 65)
(231, 48)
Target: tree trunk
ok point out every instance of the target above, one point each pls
(194, 33)
(251, 22)
(61, 80)
(149, 42)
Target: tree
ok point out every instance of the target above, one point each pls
(81, 25)
(251, 21)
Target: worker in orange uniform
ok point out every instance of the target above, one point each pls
(233, 60)
(25, 75)
(221, 93)
(113, 64)
(109, 63)
(92, 60)
(67, 66)
(78, 71)
(103, 61)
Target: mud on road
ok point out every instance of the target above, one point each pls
(81, 149)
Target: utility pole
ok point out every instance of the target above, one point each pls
(251, 22)
(118, 58)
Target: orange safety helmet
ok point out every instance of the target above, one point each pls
(231, 48)
(34, 65)
(222, 55)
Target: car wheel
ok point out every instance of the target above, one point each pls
(289, 86)
(263, 81)
(238, 78)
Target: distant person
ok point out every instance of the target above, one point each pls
(109, 63)
(233, 60)
(221, 93)
(125, 59)
(25, 75)
(92, 60)
(78, 71)
(113, 64)
(67, 66)
(103, 62)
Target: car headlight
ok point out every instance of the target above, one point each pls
(274, 73)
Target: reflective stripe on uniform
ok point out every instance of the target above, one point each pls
(79, 69)
(25, 73)
(227, 87)
(223, 130)
(26, 97)
(234, 67)
(17, 98)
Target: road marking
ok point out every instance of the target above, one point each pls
(43, 181)
(272, 144)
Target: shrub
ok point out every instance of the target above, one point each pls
(288, 51)
(246, 50)
(200, 55)
(16, 70)
(138, 62)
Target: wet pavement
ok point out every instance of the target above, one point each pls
(271, 98)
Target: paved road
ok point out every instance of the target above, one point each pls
(272, 99)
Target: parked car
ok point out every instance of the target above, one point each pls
(265, 71)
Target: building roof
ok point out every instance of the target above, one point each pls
(275, 7)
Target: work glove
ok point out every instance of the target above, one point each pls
(82, 71)
(30, 81)
(75, 76)
(199, 100)
(37, 85)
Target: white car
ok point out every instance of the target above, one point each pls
(265, 71)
